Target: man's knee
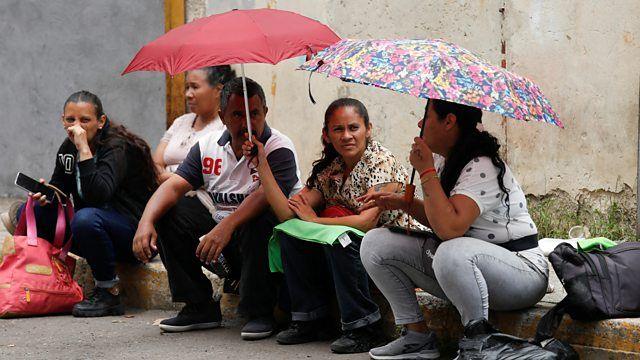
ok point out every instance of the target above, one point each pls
(266, 220)
(257, 231)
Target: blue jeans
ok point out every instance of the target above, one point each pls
(313, 272)
(100, 235)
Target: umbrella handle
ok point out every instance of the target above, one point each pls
(413, 172)
(246, 102)
(313, 101)
(409, 193)
(410, 189)
(320, 63)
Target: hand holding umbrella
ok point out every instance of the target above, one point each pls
(254, 150)
(421, 157)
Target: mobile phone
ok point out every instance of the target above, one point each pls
(34, 186)
(411, 232)
(220, 267)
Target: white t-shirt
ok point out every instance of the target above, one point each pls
(497, 223)
(228, 180)
(181, 136)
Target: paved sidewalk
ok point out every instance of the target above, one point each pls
(134, 336)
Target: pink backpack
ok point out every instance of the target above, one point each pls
(36, 277)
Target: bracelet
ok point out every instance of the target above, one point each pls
(431, 169)
(428, 178)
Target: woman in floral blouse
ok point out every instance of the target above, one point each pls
(351, 165)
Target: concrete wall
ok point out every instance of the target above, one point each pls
(584, 55)
(50, 49)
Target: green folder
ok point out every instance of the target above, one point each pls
(307, 231)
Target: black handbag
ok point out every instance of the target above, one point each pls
(500, 346)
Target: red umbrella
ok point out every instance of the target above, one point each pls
(234, 37)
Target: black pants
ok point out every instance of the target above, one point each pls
(313, 272)
(178, 233)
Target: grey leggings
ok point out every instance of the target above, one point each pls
(473, 274)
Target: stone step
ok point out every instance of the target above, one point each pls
(143, 286)
(146, 287)
(615, 338)
(606, 339)
(588, 352)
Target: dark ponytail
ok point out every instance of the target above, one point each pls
(115, 130)
(472, 143)
(221, 74)
(329, 153)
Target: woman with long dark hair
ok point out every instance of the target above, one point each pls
(109, 173)
(487, 254)
(351, 165)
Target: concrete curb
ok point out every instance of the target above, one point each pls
(143, 286)
(614, 339)
(146, 287)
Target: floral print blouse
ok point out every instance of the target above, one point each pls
(377, 166)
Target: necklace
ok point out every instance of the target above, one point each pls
(192, 133)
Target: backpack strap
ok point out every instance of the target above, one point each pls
(550, 322)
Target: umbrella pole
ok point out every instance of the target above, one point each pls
(409, 193)
(246, 102)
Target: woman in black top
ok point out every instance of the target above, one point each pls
(109, 173)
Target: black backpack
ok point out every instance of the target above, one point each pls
(601, 284)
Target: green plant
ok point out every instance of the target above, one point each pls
(554, 217)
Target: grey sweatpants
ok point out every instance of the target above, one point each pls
(473, 274)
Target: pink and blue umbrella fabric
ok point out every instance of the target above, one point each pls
(435, 69)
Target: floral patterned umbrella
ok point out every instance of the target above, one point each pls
(435, 69)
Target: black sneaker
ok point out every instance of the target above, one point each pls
(194, 317)
(359, 340)
(258, 328)
(474, 331)
(101, 302)
(479, 327)
(300, 332)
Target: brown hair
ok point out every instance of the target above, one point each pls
(115, 130)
